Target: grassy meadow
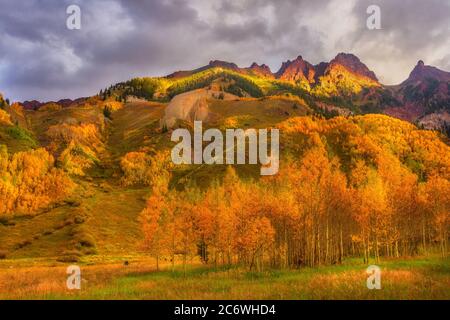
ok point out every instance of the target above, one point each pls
(109, 278)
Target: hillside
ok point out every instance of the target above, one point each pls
(98, 206)
(82, 183)
(424, 97)
(344, 85)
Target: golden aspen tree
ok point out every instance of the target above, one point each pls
(436, 192)
(153, 221)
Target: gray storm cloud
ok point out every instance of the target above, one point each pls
(41, 59)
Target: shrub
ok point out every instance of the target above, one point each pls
(73, 203)
(3, 254)
(51, 106)
(5, 221)
(90, 251)
(140, 168)
(65, 223)
(87, 240)
(68, 259)
(75, 253)
(82, 237)
(23, 244)
(86, 134)
(76, 158)
(78, 146)
(5, 119)
(107, 112)
(79, 218)
(19, 133)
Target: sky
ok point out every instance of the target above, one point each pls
(40, 58)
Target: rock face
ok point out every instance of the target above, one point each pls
(422, 72)
(223, 64)
(299, 69)
(424, 97)
(35, 105)
(352, 64)
(190, 106)
(427, 85)
(260, 70)
(184, 106)
(296, 70)
(31, 105)
(320, 70)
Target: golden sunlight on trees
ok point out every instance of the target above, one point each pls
(5, 119)
(368, 187)
(141, 168)
(435, 197)
(78, 146)
(29, 181)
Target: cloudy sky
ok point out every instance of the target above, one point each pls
(119, 39)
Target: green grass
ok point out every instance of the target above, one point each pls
(298, 284)
(111, 221)
(418, 278)
(134, 127)
(114, 218)
(17, 139)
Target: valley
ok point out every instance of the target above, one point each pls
(90, 182)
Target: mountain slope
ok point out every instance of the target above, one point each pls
(297, 70)
(424, 97)
(106, 211)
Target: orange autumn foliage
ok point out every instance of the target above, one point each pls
(5, 118)
(141, 168)
(86, 134)
(366, 186)
(29, 181)
(76, 146)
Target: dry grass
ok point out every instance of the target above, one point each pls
(41, 282)
(406, 279)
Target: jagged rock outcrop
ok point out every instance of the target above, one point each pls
(260, 70)
(352, 64)
(422, 72)
(296, 70)
(424, 97)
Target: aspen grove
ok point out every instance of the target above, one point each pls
(382, 191)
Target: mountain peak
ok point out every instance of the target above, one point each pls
(353, 64)
(296, 70)
(422, 72)
(223, 64)
(346, 55)
(262, 70)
